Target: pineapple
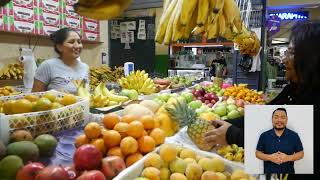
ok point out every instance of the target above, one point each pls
(197, 127)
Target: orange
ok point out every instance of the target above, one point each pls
(147, 121)
(146, 144)
(99, 144)
(115, 151)
(131, 159)
(122, 128)
(135, 129)
(128, 145)
(158, 135)
(92, 130)
(81, 140)
(129, 118)
(110, 120)
(111, 138)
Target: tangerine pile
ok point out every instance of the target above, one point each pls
(128, 137)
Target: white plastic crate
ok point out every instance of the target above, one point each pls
(43, 122)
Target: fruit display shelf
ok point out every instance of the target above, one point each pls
(135, 170)
(51, 121)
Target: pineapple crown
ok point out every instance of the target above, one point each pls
(181, 113)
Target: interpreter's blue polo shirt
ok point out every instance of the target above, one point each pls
(288, 143)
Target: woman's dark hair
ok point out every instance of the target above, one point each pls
(60, 36)
(305, 37)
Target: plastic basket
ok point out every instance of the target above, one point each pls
(44, 122)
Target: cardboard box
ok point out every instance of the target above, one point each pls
(1, 22)
(47, 30)
(90, 36)
(8, 9)
(50, 19)
(69, 11)
(52, 6)
(7, 23)
(71, 22)
(24, 27)
(90, 25)
(23, 14)
(24, 3)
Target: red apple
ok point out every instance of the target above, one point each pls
(197, 93)
(207, 101)
(53, 173)
(29, 171)
(207, 97)
(213, 101)
(87, 157)
(92, 175)
(112, 166)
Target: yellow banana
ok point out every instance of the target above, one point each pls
(106, 10)
(164, 20)
(178, 29)
(222, 25)
(111, 96)
(188, 7)
(229, 11)
(198, 30)
(192, 24)
(213, 30)
(169, 30)
(203, 10)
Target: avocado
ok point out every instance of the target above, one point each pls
(26, 150)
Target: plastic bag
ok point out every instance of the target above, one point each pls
(30, 67)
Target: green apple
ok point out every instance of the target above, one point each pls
(195, 104)
(231, 107)
(187, 96)
(224, 117)
(241, 111)
(220, 110)
(233, 114)
(164, 96)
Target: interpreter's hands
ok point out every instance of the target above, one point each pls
(276, 158)
(218, 136)
(284, 157)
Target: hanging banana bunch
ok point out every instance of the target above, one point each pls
(248, 42)
(101, 9)
(213, 18)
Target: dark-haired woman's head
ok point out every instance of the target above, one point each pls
(67, 43)
(303, 58)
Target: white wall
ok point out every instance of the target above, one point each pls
(258, 119)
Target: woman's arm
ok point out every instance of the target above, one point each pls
(38, 86)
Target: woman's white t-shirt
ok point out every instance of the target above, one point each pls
(61, 77)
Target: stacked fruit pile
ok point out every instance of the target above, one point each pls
(129, 137)
(104, 74)
(212, 17)
(139, 81)
(232, 153)
(248, 42)
(230, 109)
(176, 163)
(22, 150)
(242, 91)
(8, 90)
(35, 103)
(12, 71)
(208, 98)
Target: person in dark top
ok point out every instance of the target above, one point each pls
(279, 147)
(220, 61)
(303, 72)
